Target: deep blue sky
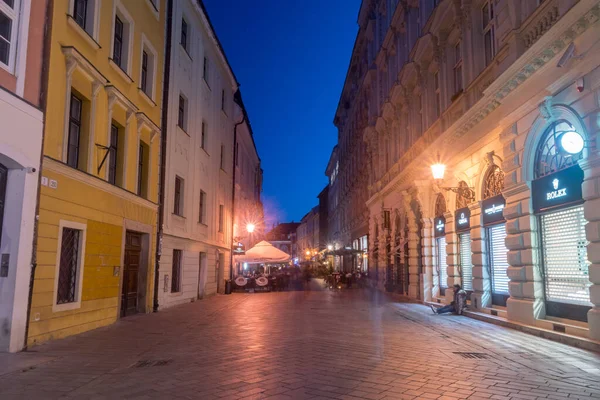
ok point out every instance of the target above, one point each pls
(291, 58)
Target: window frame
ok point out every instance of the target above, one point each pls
(184, 35)
(12, 13)
(202, 206)
(203, 135)
(78, 123)
(113, 156)
(457, 68)
(152, 67)
(92, 17)
(80, 266)
(140, 169)
(488, 28)
(127, 41)
(222, 159)
(221, 218)
(206, 71)
(177, 258)
(178, 196)
(438, 94)
(182, 112)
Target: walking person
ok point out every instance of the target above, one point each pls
(457, 306)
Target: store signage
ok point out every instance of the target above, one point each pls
(262, 281)
(492, 209)
(439, 226)
(558, 189)
(241, 281)
(239, 249)
(462, 219)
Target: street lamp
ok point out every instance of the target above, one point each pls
(438, 170)
(250, 228)
(330, 247)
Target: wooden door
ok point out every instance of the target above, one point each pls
(133, 256)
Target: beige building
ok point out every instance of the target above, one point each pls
(505, 95)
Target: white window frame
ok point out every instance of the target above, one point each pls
(95, 20)
(154, 6)
(147, 46)
(202, 200)
(80, 267)
(221, 221)
(128, 33)
(204, 135)
(15, 16)
(206, 70)
(488, 28)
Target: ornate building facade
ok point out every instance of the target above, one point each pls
(503, 98)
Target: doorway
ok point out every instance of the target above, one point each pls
(131, 274)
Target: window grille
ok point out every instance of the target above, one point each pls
(566, 266)
(441, 262)
(67, 273)
(498, 258)
(549, 157)
(466, 266)
(494, 182)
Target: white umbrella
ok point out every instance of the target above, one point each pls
(264, 252)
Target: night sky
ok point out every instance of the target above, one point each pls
(290, 57)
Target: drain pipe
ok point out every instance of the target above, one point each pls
(163, 151)
(233, 186)
(43, 102)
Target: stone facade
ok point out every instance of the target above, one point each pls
(475, 85)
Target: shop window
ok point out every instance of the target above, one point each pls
(466, 265)
(442, 263)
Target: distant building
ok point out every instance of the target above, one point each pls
(308, 235)
(323, 218)
(283, 236)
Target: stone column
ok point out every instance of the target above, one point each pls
(451, 256)
(430, 275)
(481, 296)
(526, 287)
(591, 195)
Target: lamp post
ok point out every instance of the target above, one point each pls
(438, 171)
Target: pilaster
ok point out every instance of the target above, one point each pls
(430, 280)
(481, 296)
(451, 256)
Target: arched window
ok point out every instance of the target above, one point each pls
(440, 205)
(494, 182)
(464, 195)
(553, 154)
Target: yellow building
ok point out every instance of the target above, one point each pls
(98, 205)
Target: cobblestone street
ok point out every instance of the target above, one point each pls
(301, 345)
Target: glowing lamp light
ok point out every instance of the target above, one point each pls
(438, 170)
(308, 252)
(329, 247)
(250, 228)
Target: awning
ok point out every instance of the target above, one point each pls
(264, 253)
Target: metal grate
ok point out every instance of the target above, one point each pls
(442, 262)
(466, 265)
(476, 356)
(566, 264)
(498, 258)
(67, 274)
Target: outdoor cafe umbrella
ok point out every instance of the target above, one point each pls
(263, 253)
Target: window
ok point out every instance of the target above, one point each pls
(80, 12)
(140, 169)
(222, 162)
(223, 101)
(237, 154)
(112, 154)
(205, 70)
(144, 77)
(488, 31)
(184, 35)
(122, 39)
(176, 271)
(203, 135)
(178, 198)
(466, 265)
(118, 42)
(221, 217)
(458, 86)
(202, 210)
(182, 112)
(69, 274)
(438, 95)
(387, 220)
(442, 265)
(74, 132)
(8, 32)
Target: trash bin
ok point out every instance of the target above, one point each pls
(228, 286)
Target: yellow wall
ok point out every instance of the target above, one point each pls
(85, 197)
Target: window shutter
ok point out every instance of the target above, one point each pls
(565, 257)
(466, 265)
(442, 262)
(498, 258)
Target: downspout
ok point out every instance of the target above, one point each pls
(43, 102)
(163, 150)
(233, 190)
